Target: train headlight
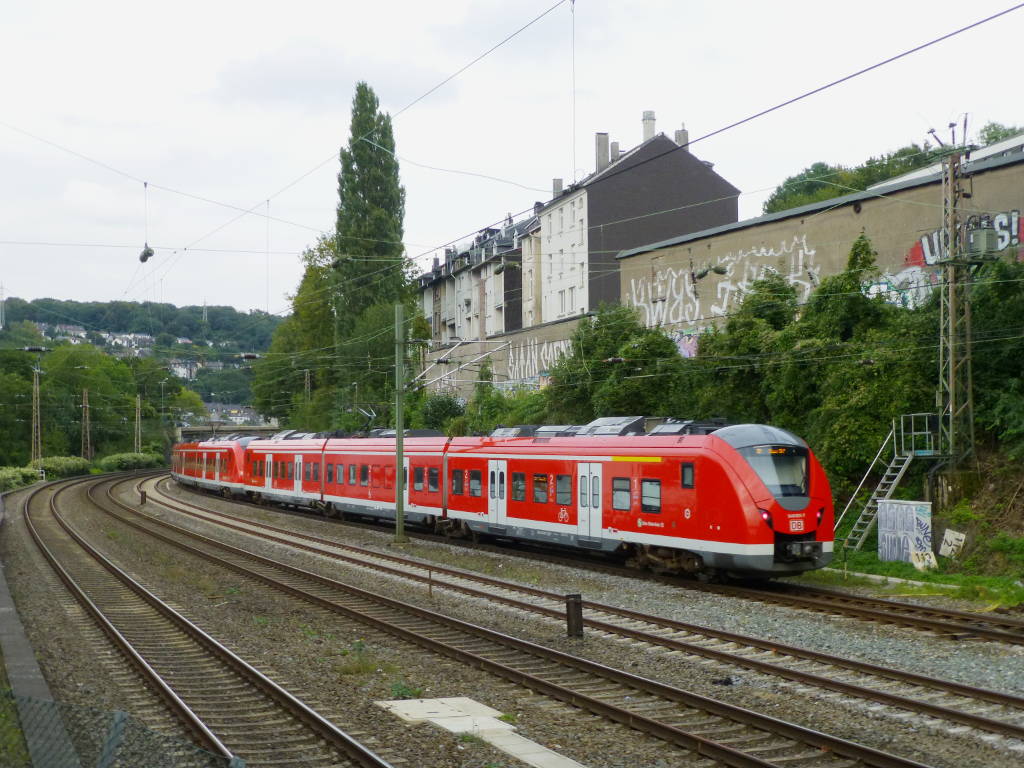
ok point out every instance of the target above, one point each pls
(766, 516)
(821, 514)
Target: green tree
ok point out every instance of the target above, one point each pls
(992, 132)
(592, 358)
(370, 269)
(822, 181)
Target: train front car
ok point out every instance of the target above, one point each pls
(786, 517)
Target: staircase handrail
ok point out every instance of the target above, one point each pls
(871, 466)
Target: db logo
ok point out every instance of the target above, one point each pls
(563, 515)
(796, 525)
(687, 513)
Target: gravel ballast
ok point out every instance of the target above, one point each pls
(342, 667)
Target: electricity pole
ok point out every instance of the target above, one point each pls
(956, 421)
(138, 423)
(37, 426)
(399, 425)
(86, 427)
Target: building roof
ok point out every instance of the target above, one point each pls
(925, 176)
(624, 162)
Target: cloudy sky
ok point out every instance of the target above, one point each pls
(221, 106)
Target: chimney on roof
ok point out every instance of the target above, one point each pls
(683, 137)
(601, 149)
(556, 187)
(648, 124)
(615, 151)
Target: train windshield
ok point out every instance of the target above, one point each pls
(783, 468)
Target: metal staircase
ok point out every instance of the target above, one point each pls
(913, 436)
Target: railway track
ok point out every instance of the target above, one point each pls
(227, 706)
(986, 710)
(712, 729)
(950, 624)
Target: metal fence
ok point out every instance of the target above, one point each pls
(46, 734)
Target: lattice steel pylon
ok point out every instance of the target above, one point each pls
(37, 426)
(138, 423)
(86, 427)
(956, 383)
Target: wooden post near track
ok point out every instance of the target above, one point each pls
(574, 615)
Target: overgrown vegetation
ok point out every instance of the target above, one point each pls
(57, 467)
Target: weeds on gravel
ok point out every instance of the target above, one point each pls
(509, 717)
(467, 737)
(402, 690)
(359, 661)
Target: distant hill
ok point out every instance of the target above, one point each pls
(245, 331)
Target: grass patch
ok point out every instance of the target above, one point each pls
(357, 659)
(509, 717)
(469, 738)
(402, 690)
(950, 579)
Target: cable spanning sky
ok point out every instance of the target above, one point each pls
(220, 106)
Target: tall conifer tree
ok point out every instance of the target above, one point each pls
(370, 268)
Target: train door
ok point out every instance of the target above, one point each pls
(497, 472)
(216, 466)
(298, 473)
(268, 470)
(405, 481)
(588, 500)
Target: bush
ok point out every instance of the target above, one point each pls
(120, 462)
(63, 466)
(16, 477)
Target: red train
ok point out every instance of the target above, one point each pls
(745, 499)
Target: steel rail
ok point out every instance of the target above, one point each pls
(892, 699)
(960, 624)
(179, 708)
(302, 712)
(695, 742)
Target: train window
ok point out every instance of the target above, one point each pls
(518, 486)
(351, 474)
(273, 469)
(339, 471)
(650, 495)
(458, 478)
(501, 484)
(540, 489)
(330, 473)
(307, 472)
(291, 475)
(476, 481)
(433, 479)
(417, 478)
(595, 493)
(620, 493)
(563, 489)
(316, 473)
(686, 474)
(584, 490)
(364, 474)
(493, 485)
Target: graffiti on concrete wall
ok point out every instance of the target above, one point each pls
(931, 247)
(911, 286)
(670, 296)
(532, 357)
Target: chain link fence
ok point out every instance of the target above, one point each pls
(46, 734)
